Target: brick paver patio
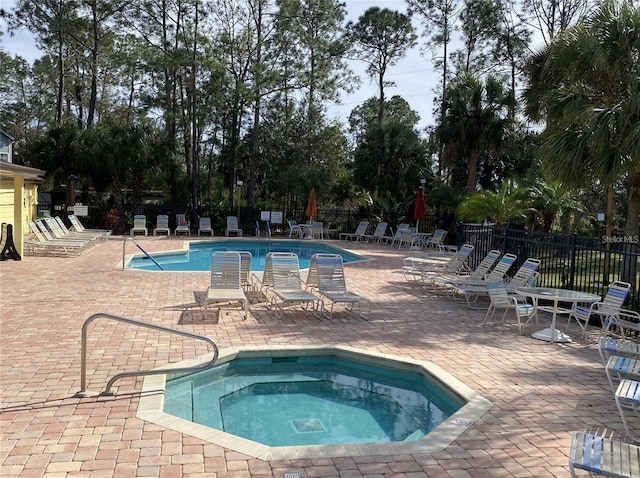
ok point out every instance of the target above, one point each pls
(540, 392)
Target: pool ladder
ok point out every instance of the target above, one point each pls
(83, 364)
(124, 245)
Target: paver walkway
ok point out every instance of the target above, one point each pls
(541, 392)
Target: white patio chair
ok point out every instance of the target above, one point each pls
(359, 233)
(603, 456)
(287, 287)
(183, 227)
(317, 230)
(162, 225)
(417, 267)
(332, 286)
(226, 280)
(612, 303)
(232, 227)
(294, 229)
(500, 300)
(378, 233)
(139, 225)
(204, 226)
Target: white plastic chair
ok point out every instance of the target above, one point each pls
(226, 280)
(182, 225)
(162, 225)
(232, 227)
(500, 300)
(139, 225)
(204, 226)
(611, 304)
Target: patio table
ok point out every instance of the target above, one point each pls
(555, 296)
(306, 231)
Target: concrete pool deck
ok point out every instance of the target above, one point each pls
(540, 391)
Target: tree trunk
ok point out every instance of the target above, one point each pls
(473, 170)
(629, 266)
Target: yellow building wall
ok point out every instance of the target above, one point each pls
(18, 201)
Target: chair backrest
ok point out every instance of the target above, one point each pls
(616, 295)
(501, 268)
(498, 294)
(162, 221)
(34, 230)
(75, 222)
(267, 274)
(225, 270)
(361, 230)
(62, 225)
(286, 272)
(139, 221)
(317, 228)
(181, 221)
(53, 226)
(485, 265)
(438, 237)
(43, 229)
(330, 273)
(459, 259)
(402, 229)
(232, 222)
(381, 229)
(204, 223)
(522, 277)
(245, 266)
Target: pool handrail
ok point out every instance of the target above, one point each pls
(124, 244)
(83, 359)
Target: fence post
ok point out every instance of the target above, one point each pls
(572, 268)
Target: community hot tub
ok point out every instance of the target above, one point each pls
(286, 402)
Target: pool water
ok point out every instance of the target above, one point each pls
(198, 256)
(315, 400)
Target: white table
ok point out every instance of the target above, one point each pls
(555, 296)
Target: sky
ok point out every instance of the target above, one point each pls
(414, 75)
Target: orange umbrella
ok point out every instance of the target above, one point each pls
(311, 210)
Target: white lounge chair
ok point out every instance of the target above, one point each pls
(204, 226)
(89, 235)
(603, 456)
(294, 229)
(500, 300)
(287, 287)
(39, 245)
(378, 233)
(332, 285)
(627, 399)
(525, 276)
(436, 241)
(317, 230)
(482, 269)
(162, 225)
(472, 290)
(139, 225)
(417, 267)
(397, 236)
(611, 304)
(226, 280)
(183, 227)
(232, 227)
(359, 233)
(77, 226)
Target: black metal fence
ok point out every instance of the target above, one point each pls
(588, 264)
(575, 262)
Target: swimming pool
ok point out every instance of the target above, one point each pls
(198, 255)
(419, 406)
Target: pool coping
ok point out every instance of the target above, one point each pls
(150, 407)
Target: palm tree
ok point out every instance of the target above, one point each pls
(511, 202)
(585, 85)
(474, 121)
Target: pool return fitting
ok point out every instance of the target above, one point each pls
(83, 364)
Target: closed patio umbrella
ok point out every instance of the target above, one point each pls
(311, 210)
(418, 209)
